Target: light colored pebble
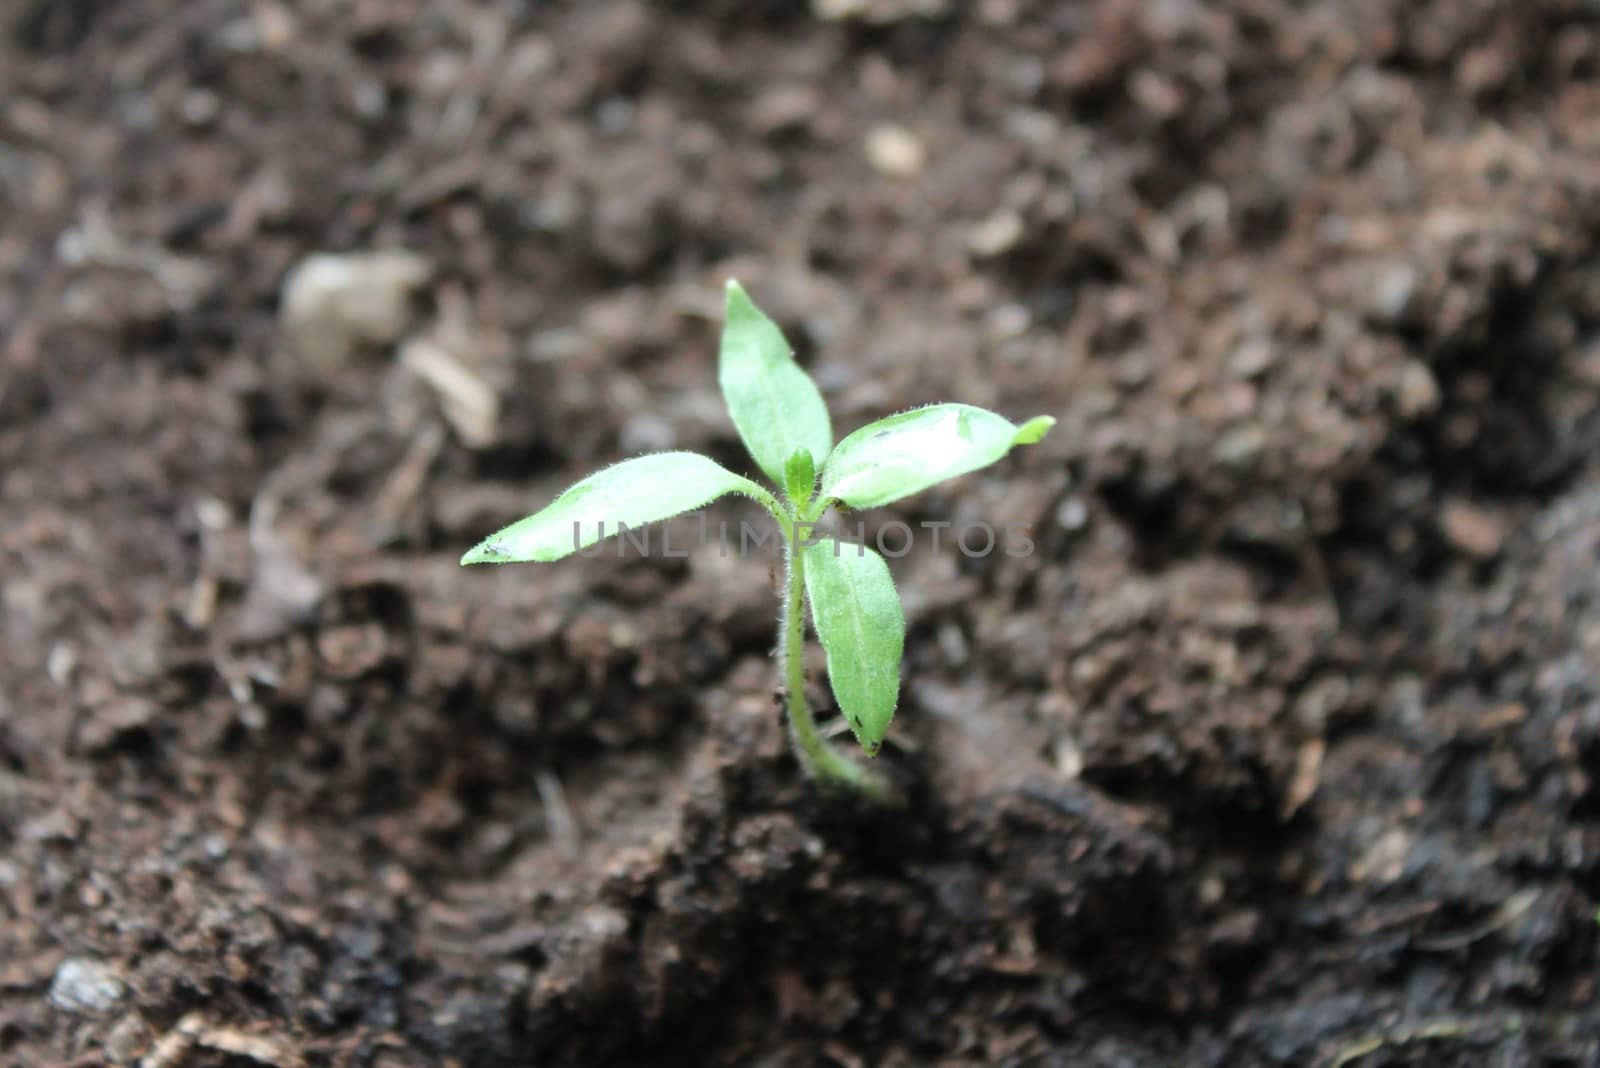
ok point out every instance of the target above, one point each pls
(82, 984)
(895, 151)
(997, 234)
(335, 303)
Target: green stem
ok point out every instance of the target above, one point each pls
(821, 760)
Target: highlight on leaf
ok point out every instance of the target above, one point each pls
(906, 453)
(632, 493)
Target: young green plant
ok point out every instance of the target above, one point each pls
(784, 424)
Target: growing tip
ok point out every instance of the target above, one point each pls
(738, 300)
(1034, 430)
(485, 552)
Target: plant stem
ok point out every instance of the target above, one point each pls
(821, 760)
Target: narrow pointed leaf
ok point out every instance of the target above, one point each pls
(774, 404)
(858, 619)
(634, 492)
(907, 453)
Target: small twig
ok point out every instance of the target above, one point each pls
(192, 1032)
(406, 481)
(1511, 910)
(558, 816)
(1433, 1031)
(468, 401)
(835, 728)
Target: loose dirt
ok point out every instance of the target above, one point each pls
(1280, 750)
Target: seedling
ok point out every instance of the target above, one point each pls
(784, 424)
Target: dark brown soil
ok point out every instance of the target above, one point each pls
(1281, 750)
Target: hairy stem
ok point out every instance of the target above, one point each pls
(820, 759)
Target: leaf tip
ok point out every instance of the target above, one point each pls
(870, 740)
(487, 551)
(1034, 430)
(738, 301)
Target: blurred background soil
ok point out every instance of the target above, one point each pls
(1280, 750)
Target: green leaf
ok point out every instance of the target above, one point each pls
(799, 476)
(907, 453)
(634, 492)
(774, 404)
(858, 619)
